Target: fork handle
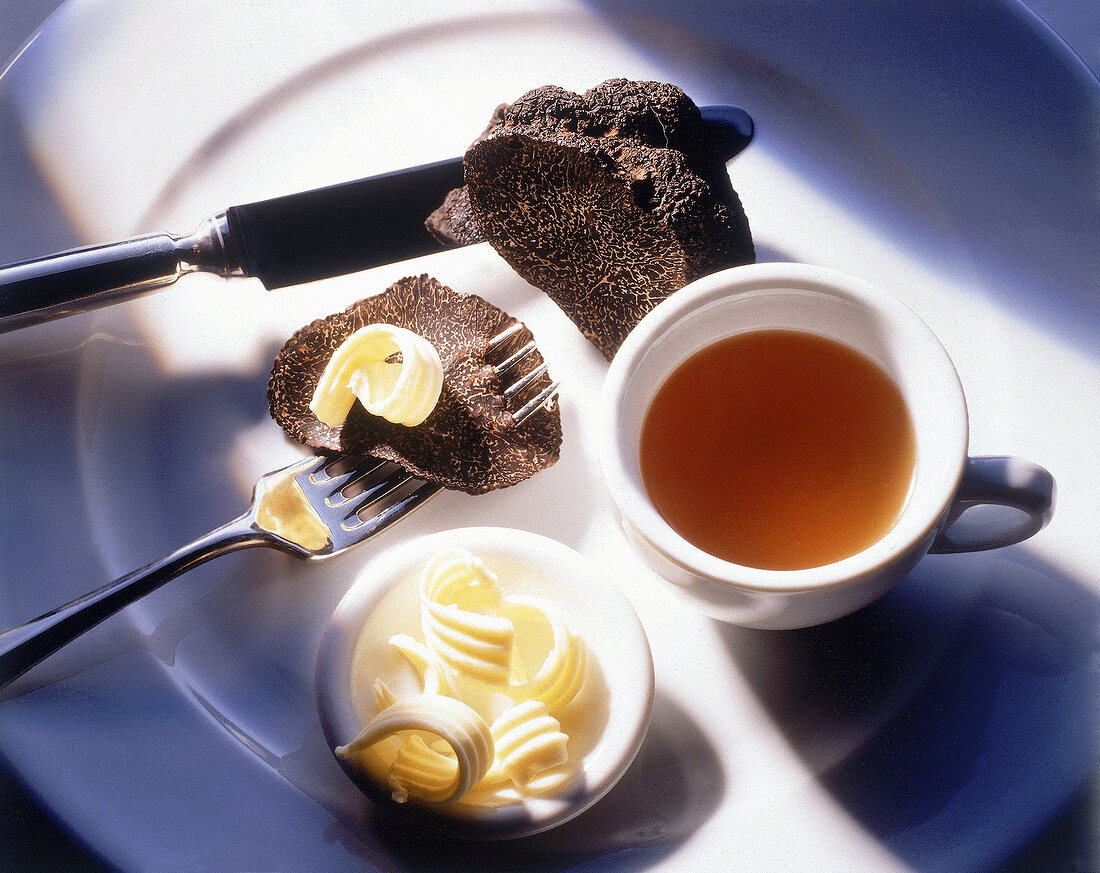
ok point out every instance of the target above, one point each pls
(24, 646)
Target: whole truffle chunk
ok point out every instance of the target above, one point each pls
(470, 441)
(609, 201)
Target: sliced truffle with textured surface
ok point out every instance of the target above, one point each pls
(608, 201)
(453, 222)
(470, 441)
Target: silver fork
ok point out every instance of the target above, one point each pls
(354, 499)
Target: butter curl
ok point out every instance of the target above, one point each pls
(396, 374)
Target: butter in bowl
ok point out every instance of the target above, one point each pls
(484, 683)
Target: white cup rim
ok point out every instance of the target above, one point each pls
(941, 455)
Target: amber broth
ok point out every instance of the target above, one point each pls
(778, 449)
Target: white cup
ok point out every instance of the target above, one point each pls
(1008, 499)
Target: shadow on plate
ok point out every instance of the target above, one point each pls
(952, 718)
(966, 133)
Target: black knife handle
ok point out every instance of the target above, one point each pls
(342, 228)
(729, 128)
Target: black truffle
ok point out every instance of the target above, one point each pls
(470, 441)
(453, 222)
(608, 201)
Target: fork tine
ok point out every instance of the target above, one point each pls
(505, 335)
(342, 489)
(514, 358)
(419, 493)
(528, 409)
(516, 390)
(317, 465)
(338, 490)
(329, 471)
(353, 504)
(522, 384)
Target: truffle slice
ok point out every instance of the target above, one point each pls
(608, 201)
(470, 441)
(453, 222)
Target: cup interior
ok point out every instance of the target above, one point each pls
(791, 297)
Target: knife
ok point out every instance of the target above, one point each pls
(284, 241)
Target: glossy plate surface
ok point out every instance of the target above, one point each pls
(938, 729)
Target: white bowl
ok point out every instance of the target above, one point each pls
(617, 698)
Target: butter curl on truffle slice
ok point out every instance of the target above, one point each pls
(470, 441)
(609, 201)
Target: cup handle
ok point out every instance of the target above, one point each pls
(1020, 485)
